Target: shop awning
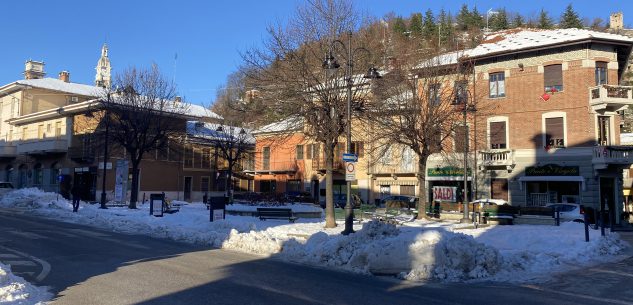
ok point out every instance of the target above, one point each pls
(580, 179)
(396, 182)
(447, 178)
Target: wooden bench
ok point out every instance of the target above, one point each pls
(275, 213)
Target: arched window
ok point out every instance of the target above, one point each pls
(22, 176)
(38, 175)
(55, 171)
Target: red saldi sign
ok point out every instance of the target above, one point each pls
(444, 193)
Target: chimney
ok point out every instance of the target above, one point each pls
(64, 76)
(34, 69)
(178, 99)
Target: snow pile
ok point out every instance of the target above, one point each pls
(15, 290)
(420, 250)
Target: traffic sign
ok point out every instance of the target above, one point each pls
(350, 171)
(350, 157)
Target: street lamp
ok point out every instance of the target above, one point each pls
(488, 13)
(464, 100)
(105, 156)
(330, 64)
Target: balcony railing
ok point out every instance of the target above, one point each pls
(277, 166)
(617, 155)
(43, 146)
(318, 164)
(497, 157)
(610, 98)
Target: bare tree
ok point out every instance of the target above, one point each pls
(289, 74)
(143, 113)
(419, 105)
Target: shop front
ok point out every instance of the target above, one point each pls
(552, 183)
(447, 184)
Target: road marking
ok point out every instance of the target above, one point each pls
(46, 267)
(599, 300)
(20, 263)
(27, 235)
(2, 255)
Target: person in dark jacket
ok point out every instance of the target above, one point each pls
(76, 193)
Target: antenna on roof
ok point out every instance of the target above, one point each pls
(175, 62)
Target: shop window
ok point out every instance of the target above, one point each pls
(459, 136)
(299, 150)
(497, 84)
(293, 186)
(408, 190)
(602, 76)
(553, 75)
(498, 135)
(554, 132)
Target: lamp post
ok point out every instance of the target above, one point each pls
(105, 157)
(488, 13)
(466, 218)
(330, 64)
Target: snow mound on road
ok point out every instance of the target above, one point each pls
(33, 198)
(15, 290)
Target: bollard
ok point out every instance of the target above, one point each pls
(556, 217)
(586, 220)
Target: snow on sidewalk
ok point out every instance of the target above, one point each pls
(15, 290)
(420, 250)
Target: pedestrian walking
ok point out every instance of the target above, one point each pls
(76, 193)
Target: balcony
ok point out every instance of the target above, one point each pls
(8, 150)
(318, 164)
(603, 156)
(43, 146)
(610, 98)
(82, 154)
(393, 169)
(276, 167)
(494, 158)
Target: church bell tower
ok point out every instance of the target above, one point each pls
(102, 78)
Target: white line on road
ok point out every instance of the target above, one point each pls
(2, 255)
(20, 263)
(46, 267)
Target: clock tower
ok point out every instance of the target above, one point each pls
(102, 78)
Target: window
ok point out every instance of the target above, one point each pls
(204, 184)
(188, 156)
(48, 128)
(299, 149)
(385, 159)
(601, 73)
(357, 149)
(554, 132)
(206, 158)
(38, 176)
(23, 133)
(40, 131)
(460, 135)
(407, 165)
(58, 129)
(497, 84)
(55, 171)
(434, 94)
(461, 92)
(553, 75)
(266, 158)
(498, 135)
(310, 151)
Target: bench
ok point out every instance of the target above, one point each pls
(275, 213)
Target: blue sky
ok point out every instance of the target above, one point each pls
(206, 35)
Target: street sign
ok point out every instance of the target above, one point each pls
(350, 157)
(350, 171)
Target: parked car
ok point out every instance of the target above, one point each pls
(568, 211)
(399, 201)
(340, 201)
(298, 196)
(5, 187)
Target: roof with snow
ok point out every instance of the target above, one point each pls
(289, 124)
(211, 131)
(523, 39)
(520, 39)
(59, 85)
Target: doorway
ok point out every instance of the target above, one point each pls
(187, 190)
(499, 189)
(607, 194)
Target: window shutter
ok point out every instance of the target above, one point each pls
(498, 135)
(553, 75)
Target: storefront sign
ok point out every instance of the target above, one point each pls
(445, 193)
(552, 170)
(448, 171)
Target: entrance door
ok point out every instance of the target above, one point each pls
(187, 191)
(499, 188)
(607, 194)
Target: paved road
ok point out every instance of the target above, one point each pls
(83, 265)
